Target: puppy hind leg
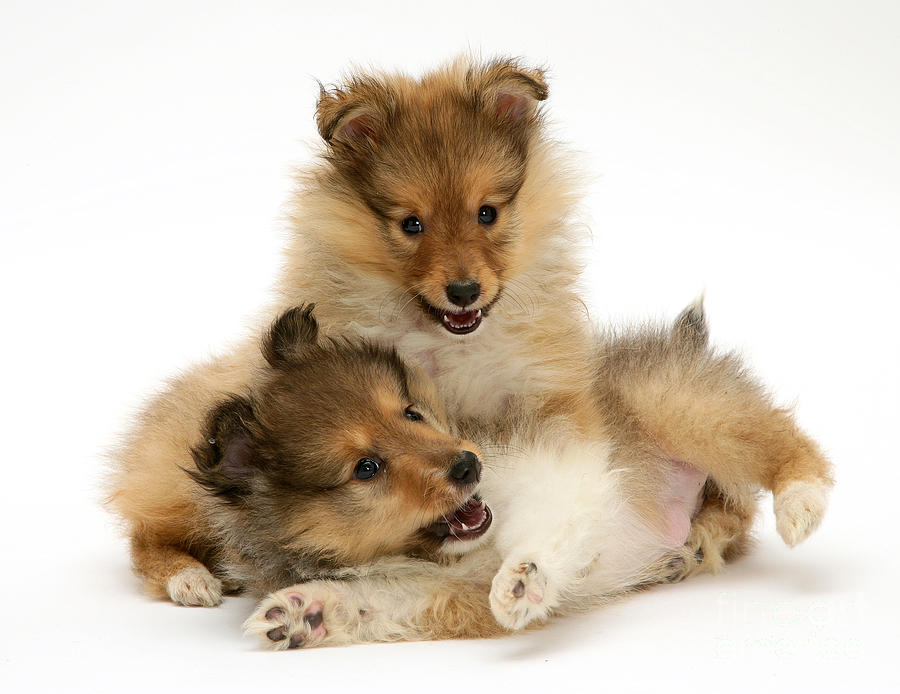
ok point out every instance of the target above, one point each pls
(554, 504)
(799, 508)
(541, 569)
(703, 408)
(170, 571)
(721, 530)
(719, 533)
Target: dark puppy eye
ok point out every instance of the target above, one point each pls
(487, 214)
(412, 225)
(366, 469)
(412, 415)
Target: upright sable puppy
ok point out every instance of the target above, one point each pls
(336, 455)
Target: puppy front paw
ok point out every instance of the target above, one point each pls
(289, 618)
(520, 594)
(799, 509)
(195, 586)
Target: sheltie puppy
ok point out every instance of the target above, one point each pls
(337, 453)
(441, 219)
(663, 486)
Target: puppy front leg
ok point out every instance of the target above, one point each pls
(434, 603)
(556, 502)
(168, 570)
(526, 588)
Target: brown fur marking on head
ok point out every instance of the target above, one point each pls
(394, 146)
(279, 464)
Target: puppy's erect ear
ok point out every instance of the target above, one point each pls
(352, 116)
(507, 90)
(294, 331)
(227, 458)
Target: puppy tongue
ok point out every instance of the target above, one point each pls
(469, 515)
(461, 320)
(469, 521)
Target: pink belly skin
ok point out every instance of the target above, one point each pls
(681, 492)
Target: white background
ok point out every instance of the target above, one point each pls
(751, 150)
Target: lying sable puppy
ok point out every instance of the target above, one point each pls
(337, 454)
(684, 439)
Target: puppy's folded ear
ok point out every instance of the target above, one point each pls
(353, 116)
(227, 458)
(507, 90)
(290, 334)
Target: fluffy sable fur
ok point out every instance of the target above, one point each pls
(272, 497)
(663, 488)
(597, 444)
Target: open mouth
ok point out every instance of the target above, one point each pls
(467, 522)
(457, 322)
(462, 322)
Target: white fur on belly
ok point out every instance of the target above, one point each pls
(558, 502)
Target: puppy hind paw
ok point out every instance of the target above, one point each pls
(682, 564)
(520, 594)
(799, 508)
(674, 566)
(288, 619)
(195, 586)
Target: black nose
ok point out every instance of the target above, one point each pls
(463, 293)
(466, 469)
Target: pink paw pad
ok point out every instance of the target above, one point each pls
(313, 615)
(297, 623)
(536, 593)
